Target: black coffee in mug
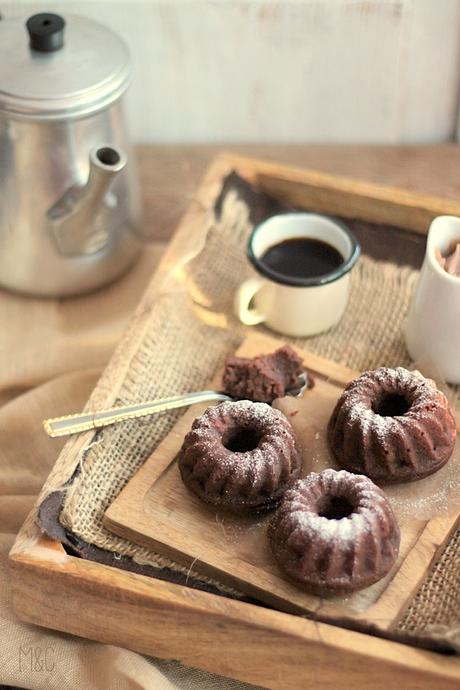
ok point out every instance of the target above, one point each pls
(302, 257)
(303, 282)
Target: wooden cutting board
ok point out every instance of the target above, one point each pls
(156, 509)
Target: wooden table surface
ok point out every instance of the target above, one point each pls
(169, 176)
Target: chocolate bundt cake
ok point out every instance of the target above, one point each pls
(240, 457)
(334, 532)
(265, 377)
(392, 425)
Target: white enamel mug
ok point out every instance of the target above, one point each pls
(433, 322)
(291, 305)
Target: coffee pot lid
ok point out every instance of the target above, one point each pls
(56, 67)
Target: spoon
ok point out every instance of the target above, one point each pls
(76, 423)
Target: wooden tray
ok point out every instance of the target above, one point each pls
(252, 643)
(155, 509)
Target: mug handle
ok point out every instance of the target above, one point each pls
(245, 293)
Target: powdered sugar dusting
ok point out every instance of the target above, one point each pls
(437, 494)
(301, 504)
(358, 396)
(386, 425)
(333, 552)
(246, 477)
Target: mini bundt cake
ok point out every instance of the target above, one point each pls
(392, 425)
(265, 377)
(240, 457)
(334, 532)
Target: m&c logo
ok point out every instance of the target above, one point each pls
(36, 659)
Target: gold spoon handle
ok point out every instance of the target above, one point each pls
(76, 423)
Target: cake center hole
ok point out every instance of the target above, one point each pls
(393, 405)
(241, 440)
(335, 508)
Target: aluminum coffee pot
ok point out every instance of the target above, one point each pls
(68, 194)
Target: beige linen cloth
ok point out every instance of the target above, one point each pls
(51, 355)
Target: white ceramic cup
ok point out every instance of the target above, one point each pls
(291, 305)
(433, 322)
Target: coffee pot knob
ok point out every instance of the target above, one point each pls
(46, 32)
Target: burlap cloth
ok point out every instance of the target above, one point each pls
(52, 354)
(190, 329)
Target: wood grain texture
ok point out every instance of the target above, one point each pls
(268, 648)
(156, 510)
(274, 649)
(168, 180)
(354, 199)
(268, 70)
(345, 196)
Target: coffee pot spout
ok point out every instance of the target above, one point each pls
(77, 218)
